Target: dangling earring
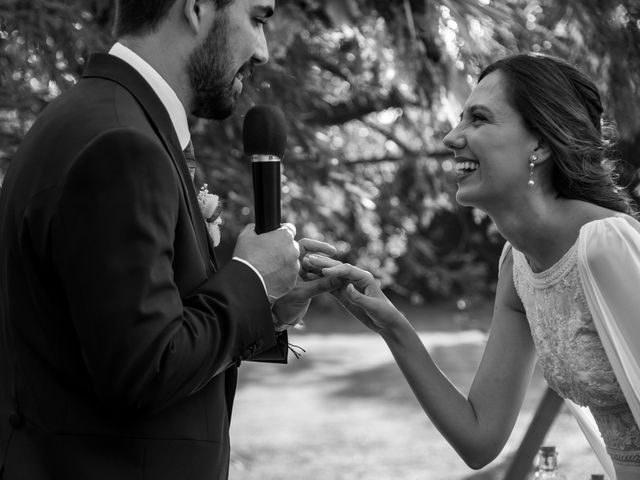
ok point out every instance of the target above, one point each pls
(534, 158)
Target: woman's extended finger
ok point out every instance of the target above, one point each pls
(349, 272)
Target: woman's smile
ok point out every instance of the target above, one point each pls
(465, 167)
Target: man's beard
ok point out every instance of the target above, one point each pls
(211, 75)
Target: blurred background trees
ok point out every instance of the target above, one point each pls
(369, 88)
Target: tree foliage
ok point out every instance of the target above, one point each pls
(369, 88)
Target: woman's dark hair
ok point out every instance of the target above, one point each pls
(562, 106)
(134, 17)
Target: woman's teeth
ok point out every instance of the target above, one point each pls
(466, 167)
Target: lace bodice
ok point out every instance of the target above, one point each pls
(570, 353)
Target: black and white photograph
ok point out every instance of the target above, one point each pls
(319, 239)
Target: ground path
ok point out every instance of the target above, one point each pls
(344, 412)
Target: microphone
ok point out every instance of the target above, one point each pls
(264, 137)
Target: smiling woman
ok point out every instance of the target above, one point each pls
(530, 152)
(492, 138)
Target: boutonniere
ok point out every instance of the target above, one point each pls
(211, 208)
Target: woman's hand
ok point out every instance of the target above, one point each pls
(360, 294)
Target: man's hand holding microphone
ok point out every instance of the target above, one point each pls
(269, 246)
(274, 254)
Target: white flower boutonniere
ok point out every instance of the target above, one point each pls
(211, 208)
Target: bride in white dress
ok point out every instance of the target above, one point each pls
(530, 153)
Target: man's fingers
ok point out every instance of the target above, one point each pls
(306, 275)
(308, 245)
(250, 227)
(314, 263)
(318, 262)
(290, 227)
(318, 286)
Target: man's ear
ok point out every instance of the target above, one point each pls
(192, 14)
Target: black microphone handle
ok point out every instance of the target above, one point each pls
(266, 192)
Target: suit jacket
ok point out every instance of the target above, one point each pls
(120, 337)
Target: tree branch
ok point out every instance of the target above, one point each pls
(359, 105)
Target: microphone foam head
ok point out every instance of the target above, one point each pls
(264, 131)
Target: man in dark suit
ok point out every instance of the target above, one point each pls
(120, 335)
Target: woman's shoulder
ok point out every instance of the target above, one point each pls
(614, 221)
(614, 235)
(584, 216)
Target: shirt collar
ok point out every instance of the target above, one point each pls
(162, 89)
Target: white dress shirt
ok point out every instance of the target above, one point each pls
(162, 89)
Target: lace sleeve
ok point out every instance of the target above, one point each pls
(609, 268)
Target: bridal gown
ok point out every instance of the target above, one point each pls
(584, 315)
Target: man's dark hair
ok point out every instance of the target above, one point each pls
(135, 17)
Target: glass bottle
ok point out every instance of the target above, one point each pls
(548, 465)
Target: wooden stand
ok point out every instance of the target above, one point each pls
(547, 410)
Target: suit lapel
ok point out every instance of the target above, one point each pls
(112, 68)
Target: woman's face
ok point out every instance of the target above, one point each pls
(492, 148)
